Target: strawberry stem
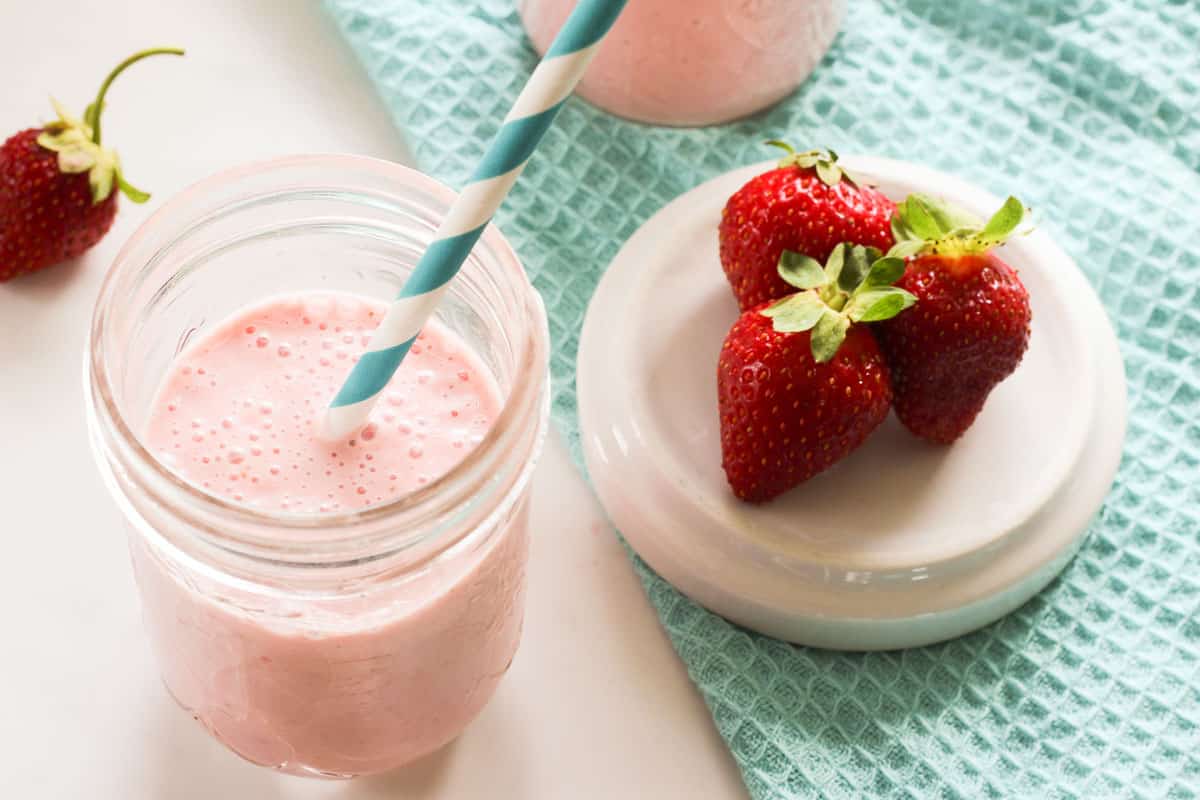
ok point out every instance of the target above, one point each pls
(92, 117)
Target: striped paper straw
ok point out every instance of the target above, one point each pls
(536, 107)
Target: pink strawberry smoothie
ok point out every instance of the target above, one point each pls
(366, 685)
(697, 62)
(238, 412)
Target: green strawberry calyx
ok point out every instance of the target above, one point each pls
(77, 141)
(854, 285)
(823, 160)
(923, 224)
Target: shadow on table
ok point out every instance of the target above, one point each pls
(420, 779)
(46, 283)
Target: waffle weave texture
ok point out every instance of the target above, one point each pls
(1090, 111)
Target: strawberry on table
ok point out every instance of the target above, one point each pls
(56, 186)
(808, 204)
(971, 325)
(801, 382)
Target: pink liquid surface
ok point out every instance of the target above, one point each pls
(237, 413)
(697, 62)
(353, 685)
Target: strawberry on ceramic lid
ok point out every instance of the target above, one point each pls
(808, 204)
(970, 329)
(801, 382)
(57, 184)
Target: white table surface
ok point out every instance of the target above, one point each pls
(596, 703)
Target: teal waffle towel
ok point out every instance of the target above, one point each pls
(1088, 109)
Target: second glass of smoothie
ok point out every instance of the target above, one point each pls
(697, 62)
(323, 608)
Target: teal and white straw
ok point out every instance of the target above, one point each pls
(536, 107)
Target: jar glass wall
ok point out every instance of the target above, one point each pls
(327, 644)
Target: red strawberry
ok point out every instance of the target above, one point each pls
(809, 205)
(971, 326)
(800, 382)
(56, 187)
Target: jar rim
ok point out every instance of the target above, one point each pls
(526, 394)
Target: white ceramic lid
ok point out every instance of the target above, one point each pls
(902, 543)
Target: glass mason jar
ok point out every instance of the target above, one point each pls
(334, 644)
(697, 62)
